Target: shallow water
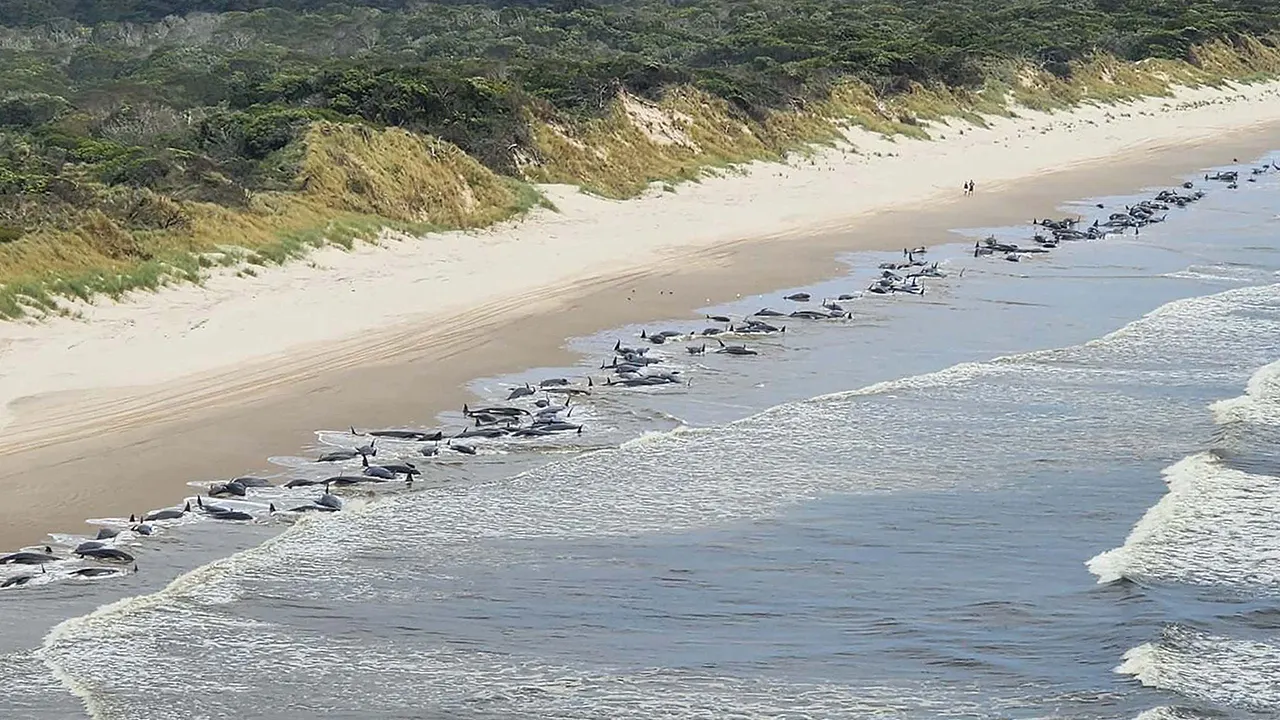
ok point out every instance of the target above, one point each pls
(1044, 489)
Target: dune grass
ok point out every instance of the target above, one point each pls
(622, 155)
(354, 182)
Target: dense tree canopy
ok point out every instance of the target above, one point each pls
(200, 99)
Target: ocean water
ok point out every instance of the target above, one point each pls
(1045, 489)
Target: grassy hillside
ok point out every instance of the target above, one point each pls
(143, 142)
(352, 181)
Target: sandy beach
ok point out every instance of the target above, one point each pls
(114, 411)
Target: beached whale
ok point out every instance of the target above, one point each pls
(234, 488)
(377, 471)
(394, 434)
(29, 558)
(621, 350)
(659, 338)
(107, 554)
(93, 572)
(757, 327)
(497, 410)
(484, 432)
(406, 468)
(639, 381)
(534, 431)
(461, 447)
(520, 392)
(167, 514)
(558, 426)
(218, 512)
(818, 314)
(571, 391)
(345, 480)
(229, 514)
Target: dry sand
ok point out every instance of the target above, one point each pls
(113, 413)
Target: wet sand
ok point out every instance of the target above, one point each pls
(82, 454)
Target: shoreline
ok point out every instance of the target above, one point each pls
(155, 416)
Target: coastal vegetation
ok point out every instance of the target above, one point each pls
(144, 141)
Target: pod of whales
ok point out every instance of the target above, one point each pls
(535, 412)
(1135, 217)
(89, 549)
